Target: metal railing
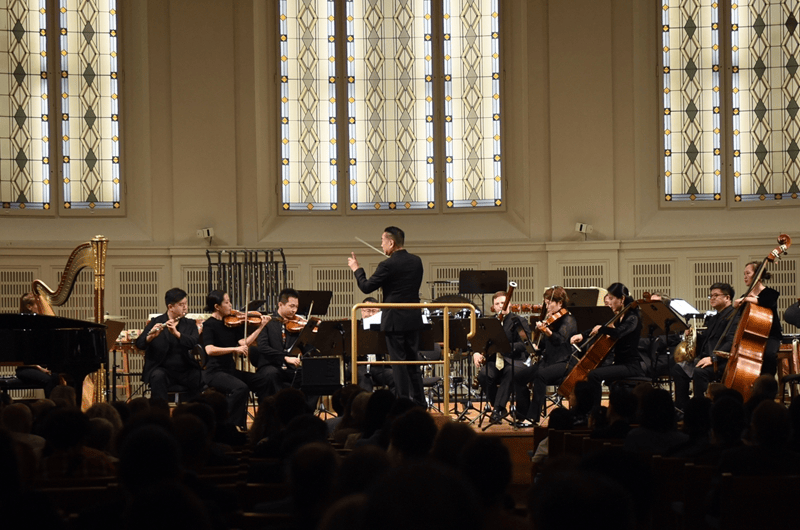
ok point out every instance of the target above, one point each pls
(445, 360)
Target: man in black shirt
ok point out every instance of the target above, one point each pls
(167, 341)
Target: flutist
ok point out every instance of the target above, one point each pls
(167, 341)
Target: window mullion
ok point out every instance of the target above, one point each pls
(726, 102)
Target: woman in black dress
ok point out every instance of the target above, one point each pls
(765, 297)
(222, 343)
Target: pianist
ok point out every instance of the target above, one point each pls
(35, 375)
(167, 341)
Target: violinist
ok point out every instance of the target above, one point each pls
(626, 331)
(554, 351)
(494, 374)
(222, 342)
(272, 356)
(167, 341)
(703, 369)
(766, 297)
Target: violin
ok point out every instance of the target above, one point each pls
(544, 325)
(298, 323)
(237, 318)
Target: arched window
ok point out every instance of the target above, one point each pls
(59, 123)
(390, 104)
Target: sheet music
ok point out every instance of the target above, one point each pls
(683, 308)
(374, 319)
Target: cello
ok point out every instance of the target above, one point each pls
(599, 347)
(749, 343)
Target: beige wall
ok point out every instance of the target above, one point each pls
(581, 144)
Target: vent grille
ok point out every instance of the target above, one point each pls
(196, 281)
(340, 281)
(704, 274)
(583, 275)
(446, 273)
(139, 296)
(13, 284)
(651, 277)
(525, 277)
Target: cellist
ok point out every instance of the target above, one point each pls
(626, 331)
(766, 297)
(554, 351)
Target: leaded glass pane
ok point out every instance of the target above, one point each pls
(308, 105)
(765, 47)
(390, 104)
(24, 142)
(691, 90)
(89, 103)
(472, 103)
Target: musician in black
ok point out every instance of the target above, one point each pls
(494, 373)
(35, 375)
(167, 341)
(626, 330)
(707, 366)
(370, 376)
(766, 297)
(272, 354)
(222, 343)
(553, 350)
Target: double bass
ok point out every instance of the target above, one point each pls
(599, 346)
(750, 341)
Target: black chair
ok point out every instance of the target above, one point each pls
(433, 385)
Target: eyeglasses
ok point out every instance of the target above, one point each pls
(716, 295)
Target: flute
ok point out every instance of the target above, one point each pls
(159, 327)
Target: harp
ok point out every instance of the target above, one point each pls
(90, 254)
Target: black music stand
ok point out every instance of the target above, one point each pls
(490, 339)
(657, 319)
(457, 341)
(589, 317)
(584, 296)
(320, 299)
(482, 282)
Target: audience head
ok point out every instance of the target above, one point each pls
(100, 434)
(362, 469)
(770, 425)
(450, 441)
(727, 420)
(148, 456)
(658, 411)
(63, 396)
(290, 403)
(622, 403)
(486, 462)
(105, 410)
(65, 428)
(412, 435)
(585, 398)
(765, 386)
(17, 418)
(560, 419)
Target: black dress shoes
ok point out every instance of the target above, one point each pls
(497, 415)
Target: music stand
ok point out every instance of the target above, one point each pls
(589, 317)
(320, 299)
(457, 341)
(585, 296)
(657, 318)
(482, 282)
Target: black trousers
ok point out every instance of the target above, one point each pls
(540, 376)
(403, 346)
(161, 379)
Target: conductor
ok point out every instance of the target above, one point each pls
(400, 277)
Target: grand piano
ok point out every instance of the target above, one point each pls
(64, 345)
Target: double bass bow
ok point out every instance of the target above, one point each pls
(599, 346)
(750, 340)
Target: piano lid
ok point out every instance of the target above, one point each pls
(32, 321)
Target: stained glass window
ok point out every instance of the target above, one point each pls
(760, 62)
(83, 115)
(765, 48)
(394, 59)
(691, 92)
(472, 103)
(24, 136)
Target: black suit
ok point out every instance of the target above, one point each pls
(706, 345)
(400, 277)
(168, 360)
(268, 357)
